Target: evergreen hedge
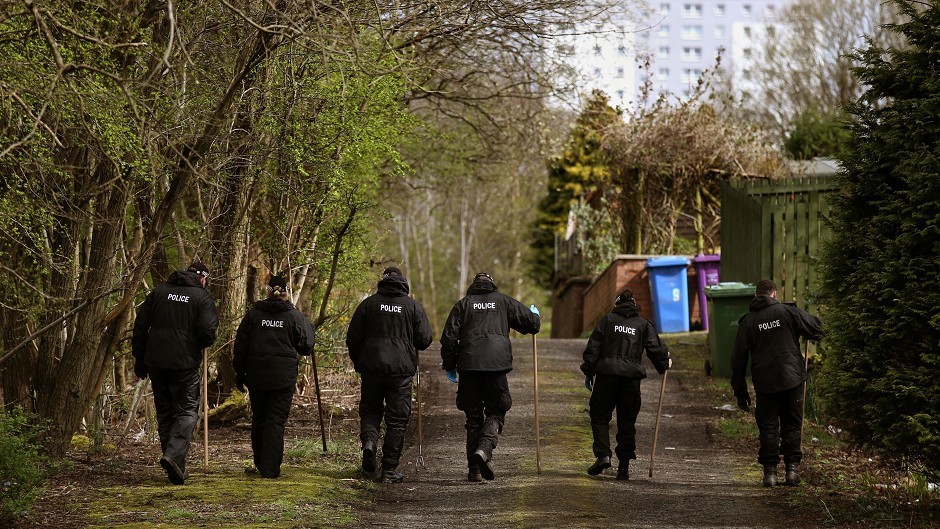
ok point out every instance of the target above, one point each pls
(881, 373)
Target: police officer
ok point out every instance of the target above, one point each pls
(475, 344)
(385, 334)
(267, 343)
(174, 324)
(769, 335)
(613, 369)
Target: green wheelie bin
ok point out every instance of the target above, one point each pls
(727, 302)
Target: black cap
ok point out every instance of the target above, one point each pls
(484, 275)
(198, 268)
(391, 271)
(277, 284)
(624, 296)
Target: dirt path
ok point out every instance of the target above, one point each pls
(696, 482)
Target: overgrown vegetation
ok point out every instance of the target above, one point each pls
(22, 466)
(882, 370)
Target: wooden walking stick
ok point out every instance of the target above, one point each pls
(805, 384)
(535, 377)
(316, 385)
(420, 461)
(205, 411)
(659, 411)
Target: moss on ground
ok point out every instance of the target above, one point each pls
(314, 490)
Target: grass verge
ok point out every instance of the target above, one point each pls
(845, 486)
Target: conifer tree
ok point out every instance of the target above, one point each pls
(882, 363)
(572, 174)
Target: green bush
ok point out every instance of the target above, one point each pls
(22, 466)
(881, 373)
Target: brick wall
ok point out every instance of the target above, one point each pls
(625, 271)
(568, 307)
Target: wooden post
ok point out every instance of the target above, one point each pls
(805, 383)
(205, 411)
(659, 411)
(316, 384)
(535, 377)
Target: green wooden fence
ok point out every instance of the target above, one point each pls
(773, 229)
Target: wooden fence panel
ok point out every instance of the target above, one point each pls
(774, 228)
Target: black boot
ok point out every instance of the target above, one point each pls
(482, 461)
(599, 466)
(623, 471)
(474, 475)
(793, 474)
(390, 475)
(770, 475)
(174, 473)
(368, 457)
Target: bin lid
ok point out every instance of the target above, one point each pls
(672, 260)
(702, 258)
(729, 289)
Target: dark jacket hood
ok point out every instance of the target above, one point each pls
(761, 303)
(481, 286)
(393, 286)
(627, 309)
(273, 306)
(185, 278)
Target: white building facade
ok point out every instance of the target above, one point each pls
(679, 40)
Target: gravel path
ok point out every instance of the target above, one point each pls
(695, 484)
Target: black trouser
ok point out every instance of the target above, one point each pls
(484, 398)
(269, 410)
(779, 417)
(622, 393)
(388, 397)
(176, 399)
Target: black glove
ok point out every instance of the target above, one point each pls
(140, 369)
(240, 383)
(744, 402)
(589, 382)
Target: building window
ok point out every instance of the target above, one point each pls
(691, 75)
(691, 54)
(621, 50)
(692, 10)
(746, 53)
(719, 32)
(663, 30)
(663, 74)
(597, 50)
(746, 9)
(619, 73)
(770, 10)
(691, 32)
(748, 32)
(664, 8)
(663, 52)
(719, 10)
(597, 73)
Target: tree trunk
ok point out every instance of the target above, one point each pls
(64, 396)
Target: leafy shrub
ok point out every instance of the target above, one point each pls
(22, 466)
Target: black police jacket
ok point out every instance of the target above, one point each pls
(267, 343)
(387, 330)
(175, 323)
(769, 335)
(617, 343)
(476, 335)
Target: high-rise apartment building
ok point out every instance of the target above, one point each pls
(679, 40)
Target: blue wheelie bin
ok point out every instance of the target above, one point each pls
(669, 286)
